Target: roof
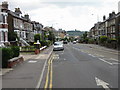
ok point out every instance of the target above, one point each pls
(22, 18)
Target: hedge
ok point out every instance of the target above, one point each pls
(8, 53)
(45, 43)
(16, 51)
(28, 48)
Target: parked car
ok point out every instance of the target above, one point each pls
(74, 42)
(58, 46)
(65, 42)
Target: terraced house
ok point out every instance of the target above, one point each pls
(22, 25)
(13, 21)
(3, 24)
(109, 27)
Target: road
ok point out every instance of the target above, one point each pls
(78, 66)
(83, 66)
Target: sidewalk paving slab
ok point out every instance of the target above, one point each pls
(26, 56)
(26, 74)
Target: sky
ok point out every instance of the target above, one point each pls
(66, 14)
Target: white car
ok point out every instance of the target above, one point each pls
(58, 46)
(74, 42)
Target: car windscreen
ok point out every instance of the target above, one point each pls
(57, 43)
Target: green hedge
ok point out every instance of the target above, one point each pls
(28, 48)
(45, 43)
(8, 53)
(16, 51)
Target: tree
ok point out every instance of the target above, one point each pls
(84, 37)
(36, 37)
(51, 36)
(12, 36)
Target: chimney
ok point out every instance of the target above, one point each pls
(5, 5)
(104, 18)
(26, 16)
(17, 11)
(113, 13)
(110, 15)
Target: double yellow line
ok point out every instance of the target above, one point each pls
(48, 82)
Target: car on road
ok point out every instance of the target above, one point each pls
(65, 42)
(74, 42)
(58, 46)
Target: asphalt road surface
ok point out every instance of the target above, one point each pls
(82, 66)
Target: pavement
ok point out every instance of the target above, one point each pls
(31, 71)
(26, 57)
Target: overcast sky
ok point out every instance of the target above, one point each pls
(66, 14)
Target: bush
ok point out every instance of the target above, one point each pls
(91, 41)
(28, 48)
(103, 40)
(45, 43)
(7, 54)
(16, 51)
(12, 36)
(48, 42)
(37, 37)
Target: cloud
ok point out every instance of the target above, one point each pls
(66, 14)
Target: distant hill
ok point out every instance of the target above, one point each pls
(75, 33)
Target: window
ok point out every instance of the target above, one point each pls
(1, 18)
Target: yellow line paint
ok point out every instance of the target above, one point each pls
(50, 86)
(49, 75)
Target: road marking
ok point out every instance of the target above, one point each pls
(41, 76)
(56, 56)
(99, 55)
(113, 59)
(91, 55)
(105, 51)
(102, 83)
(48, 82)
(64, 59)
(115, 63)
(32, 61)
(47, 77)
(50, 86)
(105, 61)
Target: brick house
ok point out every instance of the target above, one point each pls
(21, 25)
(3, 23)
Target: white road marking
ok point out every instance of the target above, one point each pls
(64, 59)
(62, 53)
(105, 61)
(100, 55)
(102, 83)
(113, 59)
(56, 56)
(32, 61)
(106, 51)
(91, 55)
(115, 63)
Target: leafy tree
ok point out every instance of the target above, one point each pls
(84, 35)
(12, 36)
(37, 37)
(51, 36)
